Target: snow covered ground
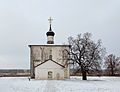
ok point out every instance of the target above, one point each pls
(75, 84)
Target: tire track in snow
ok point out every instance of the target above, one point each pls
(50, 86)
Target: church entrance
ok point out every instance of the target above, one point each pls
(50, 75)
(58, 76)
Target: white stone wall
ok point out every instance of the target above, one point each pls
(40, 53)
(41, 72)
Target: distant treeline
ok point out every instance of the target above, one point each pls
(75, 72)
(14, 72)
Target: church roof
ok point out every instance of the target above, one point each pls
(52, 61)
(51, 45)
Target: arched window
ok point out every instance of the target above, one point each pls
(50, 56)
(50, 74)
(58, 76)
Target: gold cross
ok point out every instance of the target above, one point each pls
(50, 20)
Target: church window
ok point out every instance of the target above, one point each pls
(50, 56)
(50, 75)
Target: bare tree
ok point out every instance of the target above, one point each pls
(112, 64)
(86, 53)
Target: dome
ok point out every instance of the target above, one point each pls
(50, 33)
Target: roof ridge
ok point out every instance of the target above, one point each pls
(52, 61)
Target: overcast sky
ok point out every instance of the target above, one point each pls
(24, 22)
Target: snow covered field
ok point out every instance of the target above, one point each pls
(75, 84)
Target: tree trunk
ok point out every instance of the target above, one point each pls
(112, 72)
(84, 76)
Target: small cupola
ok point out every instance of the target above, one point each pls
(50, 34)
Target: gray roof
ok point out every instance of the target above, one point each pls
(51, 45)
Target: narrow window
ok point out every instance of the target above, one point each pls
(50, 56)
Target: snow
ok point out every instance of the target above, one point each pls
(75, 84)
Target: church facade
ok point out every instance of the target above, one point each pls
(49, 61)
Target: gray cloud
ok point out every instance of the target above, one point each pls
(24, 22)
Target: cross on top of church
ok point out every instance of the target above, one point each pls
(50, 20)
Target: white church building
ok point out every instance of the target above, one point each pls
(49, 61)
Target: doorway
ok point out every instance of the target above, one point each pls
(58, 76)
